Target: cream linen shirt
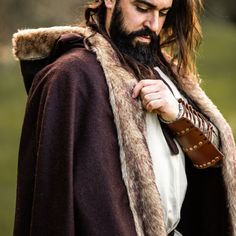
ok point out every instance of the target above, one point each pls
(169, 169)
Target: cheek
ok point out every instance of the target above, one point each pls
(161, 23)
(132, 20)
(134, 25)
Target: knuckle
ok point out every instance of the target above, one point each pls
(151, 104)
(142, 83)
(145, 91)
(146, 98)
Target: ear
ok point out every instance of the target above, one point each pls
(109, 3)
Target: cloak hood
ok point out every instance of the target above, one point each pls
(37, 48)
(43, 45)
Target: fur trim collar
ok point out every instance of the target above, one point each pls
(34, 44)
(135, 162)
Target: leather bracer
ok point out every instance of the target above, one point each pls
(197, 137)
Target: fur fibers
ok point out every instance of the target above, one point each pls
(135, 158)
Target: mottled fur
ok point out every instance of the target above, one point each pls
(136, 163)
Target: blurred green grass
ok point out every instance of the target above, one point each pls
(12, 100)
(217, 67)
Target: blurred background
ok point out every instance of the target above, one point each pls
(216, 62)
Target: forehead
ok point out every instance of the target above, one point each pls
(159, 4)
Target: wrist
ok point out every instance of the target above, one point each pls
(178, 116)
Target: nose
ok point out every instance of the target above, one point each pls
(152, 22)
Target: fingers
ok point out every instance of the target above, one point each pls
(150, 97)
(152, 94)
(157, 97)
(146, 86)
(154, 105)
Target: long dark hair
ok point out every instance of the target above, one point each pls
(179, 38)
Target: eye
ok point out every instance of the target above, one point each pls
(142, 8)
(164, 12)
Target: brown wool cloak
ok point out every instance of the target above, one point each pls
(84, 166)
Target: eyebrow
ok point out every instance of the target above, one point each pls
(151, 5)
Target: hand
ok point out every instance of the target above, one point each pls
(157, 97)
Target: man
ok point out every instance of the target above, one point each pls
(118, 137)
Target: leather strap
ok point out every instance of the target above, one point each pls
(195, 135)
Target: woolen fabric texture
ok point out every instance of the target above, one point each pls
(84, 166)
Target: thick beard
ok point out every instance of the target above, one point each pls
(142, 52)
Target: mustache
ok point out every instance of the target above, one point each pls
(143, 32)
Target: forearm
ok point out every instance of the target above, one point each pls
(197, 136)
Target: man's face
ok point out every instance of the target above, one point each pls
(134, 26)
